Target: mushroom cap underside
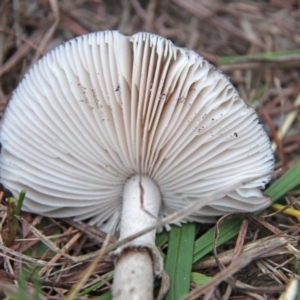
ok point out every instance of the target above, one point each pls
(103, 107)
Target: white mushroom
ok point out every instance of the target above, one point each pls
(109, 124)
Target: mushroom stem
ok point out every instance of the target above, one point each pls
(134, 269)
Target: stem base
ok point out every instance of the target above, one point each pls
(137, 282)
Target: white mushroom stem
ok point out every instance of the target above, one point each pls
(134, 269)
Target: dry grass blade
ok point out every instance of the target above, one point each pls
(19, 257)
(26, 41)
(22, 51)
(251, 289)
(49, 34)
(45, 240)
(63, 250)
(74, 290)
(228, 256)
(200, 11)
(285, 126)
(91, 232)
(236, 265)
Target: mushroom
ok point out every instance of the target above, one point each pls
(108, 125)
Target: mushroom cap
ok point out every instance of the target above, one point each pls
(103, 107)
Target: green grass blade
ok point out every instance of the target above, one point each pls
(95, 286)
(285, 183)
(105, 296)
(199, 278)
(20, 202)
(257, 95)
(265, 56)
(161, 238)
(179, 260)
(297, 268)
